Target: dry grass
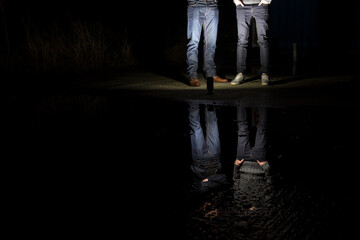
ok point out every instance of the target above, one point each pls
(78, 46)
(82, 48)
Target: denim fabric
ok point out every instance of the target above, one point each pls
(204, 147)
(244, 16)
(243, 140)
(244, 150)
(206, 18)
(202, 2)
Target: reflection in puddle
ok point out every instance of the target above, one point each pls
(171, 166)
(205, 149)
(279, 173)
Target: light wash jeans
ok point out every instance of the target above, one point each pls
(204, 147)
(203, 16)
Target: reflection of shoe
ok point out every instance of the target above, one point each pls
(213, 182)
(217, 180)
(265, 79)
(220, 80)
(194, 82)
(265, 165)
(198, 172)
(239, 79)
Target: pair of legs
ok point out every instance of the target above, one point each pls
(205, 145)
(202, 18)
(244, 16)
(244, 150)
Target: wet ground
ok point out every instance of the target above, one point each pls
(115, 162)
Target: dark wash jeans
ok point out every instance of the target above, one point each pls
(244, 150)
(202, 16)
(244, 16)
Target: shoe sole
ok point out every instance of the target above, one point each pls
(242, 82)
(194, 85)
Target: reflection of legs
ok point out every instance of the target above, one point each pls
(201, 149)
(259, 150)
(243, 142)
(212, 141)
(212, 133)
(198, 148)
(205, 151)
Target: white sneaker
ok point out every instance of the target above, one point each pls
(239, 79)
(265, 79)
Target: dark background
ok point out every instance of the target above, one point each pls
(326, 32)
(80, 161)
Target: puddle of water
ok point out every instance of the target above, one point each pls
(94, 161)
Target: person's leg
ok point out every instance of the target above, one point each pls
(243, 16)
(259, 149)
(243, 140)
(195, 17)
(261, 15)
(210, 36)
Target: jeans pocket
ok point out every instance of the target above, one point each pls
(264, 5)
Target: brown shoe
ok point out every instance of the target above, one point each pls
(194, 82)
(220, 80)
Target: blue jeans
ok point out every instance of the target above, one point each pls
(244, 150)
(244, 16)
(202, 17)
(203, 148)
